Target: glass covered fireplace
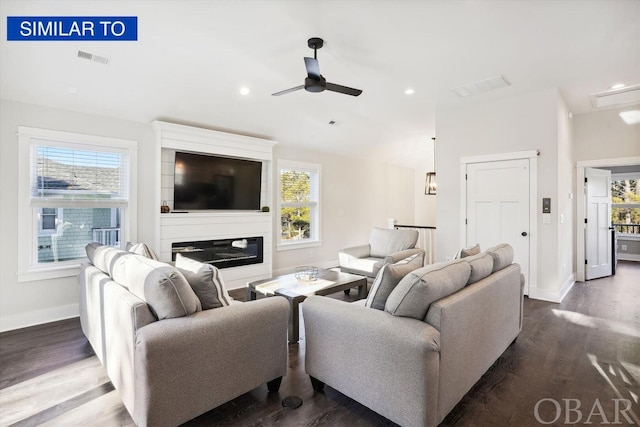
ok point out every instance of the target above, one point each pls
(222, 253)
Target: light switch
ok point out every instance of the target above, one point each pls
(546, 218)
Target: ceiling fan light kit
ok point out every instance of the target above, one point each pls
(315, 82)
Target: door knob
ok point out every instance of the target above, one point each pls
(524, 233)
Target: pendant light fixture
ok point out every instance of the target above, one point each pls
(430, 183)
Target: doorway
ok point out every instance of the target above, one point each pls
(499, 202)
(581, 203)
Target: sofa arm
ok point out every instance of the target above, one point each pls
(399, 256)
(189, 365)
(348, 254)
(389, 364)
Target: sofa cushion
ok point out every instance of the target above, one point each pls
(160, 285)
(206, 282)
(142, 249)
(470, 251)
(103, 257)
(481, 266)
(388, 278)
(385, 241)
(416, 291)
(502, 256)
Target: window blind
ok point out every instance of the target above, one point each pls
(64, 172)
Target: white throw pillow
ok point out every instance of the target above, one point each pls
(142, 249)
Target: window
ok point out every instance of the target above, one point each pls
(625, 205)
(48, 219)
(74, 189)
(298, 205)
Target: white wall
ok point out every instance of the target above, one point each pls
(604, 135)
(27, 303)
(356, 196)
(566, 199)
(519, 123)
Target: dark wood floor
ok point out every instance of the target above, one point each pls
(586, 349)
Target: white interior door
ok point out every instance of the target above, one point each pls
(498, 207)
(598, 222)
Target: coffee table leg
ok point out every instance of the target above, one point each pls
(362, 291)
(294, 321)
(251, 294)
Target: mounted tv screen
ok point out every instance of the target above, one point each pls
(210, 182)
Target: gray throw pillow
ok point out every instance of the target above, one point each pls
(415, 293)
(502, 256)
(481, 266)
(470, 251)
(388, 278)
(206, 282)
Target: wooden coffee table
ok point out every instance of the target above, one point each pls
(296, 291)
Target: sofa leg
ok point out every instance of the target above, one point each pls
(316, 384)
(274, 385)
(347, 291)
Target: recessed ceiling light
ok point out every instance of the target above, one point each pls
(630, 117)
(409, 91)
(244, 90)
(617, 86)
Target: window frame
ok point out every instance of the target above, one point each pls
(28, 222)
(315, 204)
(49, 231)
(620, 177)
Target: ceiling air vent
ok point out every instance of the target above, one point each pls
(481, 86)
(92, 57)
(625, 95)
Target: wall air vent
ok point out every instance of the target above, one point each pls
(625, 95)
(481, 86)
(92, 57)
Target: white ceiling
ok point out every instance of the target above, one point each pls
(192, 57)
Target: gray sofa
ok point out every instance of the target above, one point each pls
(441, 328)
(386, 246)
(169, 360)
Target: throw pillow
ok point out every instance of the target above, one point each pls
(206, 282)
(472, 250)
(502, 256)
(141, 249)
(416, 291)
(481, 266)
(388, 278)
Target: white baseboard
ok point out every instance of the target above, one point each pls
(38, 317)
(554, 296)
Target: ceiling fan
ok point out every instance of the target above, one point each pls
(315, 82)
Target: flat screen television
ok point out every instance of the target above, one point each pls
(204, 181)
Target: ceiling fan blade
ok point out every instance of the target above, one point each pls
(343, 89)
(313, 69)
(283, 92)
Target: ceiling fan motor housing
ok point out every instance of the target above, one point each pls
(313, 85)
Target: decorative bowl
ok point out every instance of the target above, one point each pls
(306, 273)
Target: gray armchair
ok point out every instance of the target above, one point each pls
(386, 246)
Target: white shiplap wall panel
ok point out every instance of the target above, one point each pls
(211, 225)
